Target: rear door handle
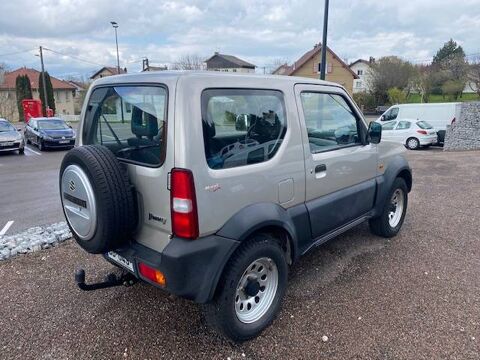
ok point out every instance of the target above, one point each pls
(320, 168)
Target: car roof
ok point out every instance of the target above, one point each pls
(46, 118)
(173, 75)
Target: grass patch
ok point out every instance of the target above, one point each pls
(415, 98)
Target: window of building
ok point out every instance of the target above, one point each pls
(359, 72)
(242, 126)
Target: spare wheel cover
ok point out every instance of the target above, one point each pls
(79, 202)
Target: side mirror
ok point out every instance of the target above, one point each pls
(19, 129)
(374, 132)
(383, 118)
(242, 122)
(36, 129)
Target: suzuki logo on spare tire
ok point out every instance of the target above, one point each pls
(71, 185)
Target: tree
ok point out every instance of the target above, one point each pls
(23, 90)
(189, 62)
(449, 64)
(50, 97)
(474, 75)
(389, 72)
(396, 96)
(364, 100)
(453, 88)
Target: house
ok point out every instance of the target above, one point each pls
(107, 71)
(362, 69)
(309, 66)
(63, 92)
(229, 63)
(80, 92)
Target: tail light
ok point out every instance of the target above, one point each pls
(183, 204)
(423, 132)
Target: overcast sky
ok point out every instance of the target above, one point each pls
(258, 31)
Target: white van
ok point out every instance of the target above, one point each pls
(439, 115)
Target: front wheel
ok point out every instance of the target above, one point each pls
(391, 219)
(250, 291)
(41, 146)
(413, 143)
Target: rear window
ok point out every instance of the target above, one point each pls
(242, 126)
(130, 121)
(52, 125)
(424, 125)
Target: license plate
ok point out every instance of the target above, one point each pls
(6, 144)
(120, 260)
(64, 142)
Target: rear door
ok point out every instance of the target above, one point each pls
(132, 120)
(340, 166)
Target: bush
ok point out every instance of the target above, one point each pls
(396, 96)
(365, 101)
(453, 89)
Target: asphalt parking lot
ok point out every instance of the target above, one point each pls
(416, 296)
(29, 195)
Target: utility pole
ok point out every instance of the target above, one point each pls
(45, 98)
(323, 61)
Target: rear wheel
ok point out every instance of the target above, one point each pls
(391, 219)
(250, 291)
(413, 143)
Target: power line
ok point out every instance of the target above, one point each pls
(17, 52)
(75, 57)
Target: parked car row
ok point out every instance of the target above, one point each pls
(43, 132)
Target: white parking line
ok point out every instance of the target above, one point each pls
(33, 151)
(6, 227)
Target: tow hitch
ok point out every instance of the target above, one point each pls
(125, 279)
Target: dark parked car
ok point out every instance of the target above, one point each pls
(49, 133)
(10, 138)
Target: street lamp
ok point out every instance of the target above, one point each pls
(115, 26)
(323, 61)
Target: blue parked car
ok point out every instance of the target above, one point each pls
(49, 133)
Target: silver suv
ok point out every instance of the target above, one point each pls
(210, 185)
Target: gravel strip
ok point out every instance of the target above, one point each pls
(33, 239)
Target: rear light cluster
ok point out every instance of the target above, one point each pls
(423, 132)
(183, 204)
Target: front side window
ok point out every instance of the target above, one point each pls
(242, 126)
(330, 122)
(5, 126)
(403, 125)
(130, 121)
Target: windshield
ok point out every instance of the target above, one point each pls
(130, 121)
(424, 125)
(52, 125)
(5, 126)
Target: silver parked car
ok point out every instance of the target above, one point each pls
(210, 185)
(11, 139)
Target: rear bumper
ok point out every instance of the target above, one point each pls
(192, 268)
(428, 140)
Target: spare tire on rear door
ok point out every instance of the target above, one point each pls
(97, 198)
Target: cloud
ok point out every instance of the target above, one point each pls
(260, 31)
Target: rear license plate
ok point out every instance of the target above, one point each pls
(6, 144)
(64, 142)
(120, 260)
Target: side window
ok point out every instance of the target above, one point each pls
(330, 121)
(389, 126)
(241, 126)
(403, 125)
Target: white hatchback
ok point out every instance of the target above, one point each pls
(411, 133)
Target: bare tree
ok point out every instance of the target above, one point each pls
(189, 62)
(474, 75)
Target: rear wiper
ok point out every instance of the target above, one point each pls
(132, 148)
